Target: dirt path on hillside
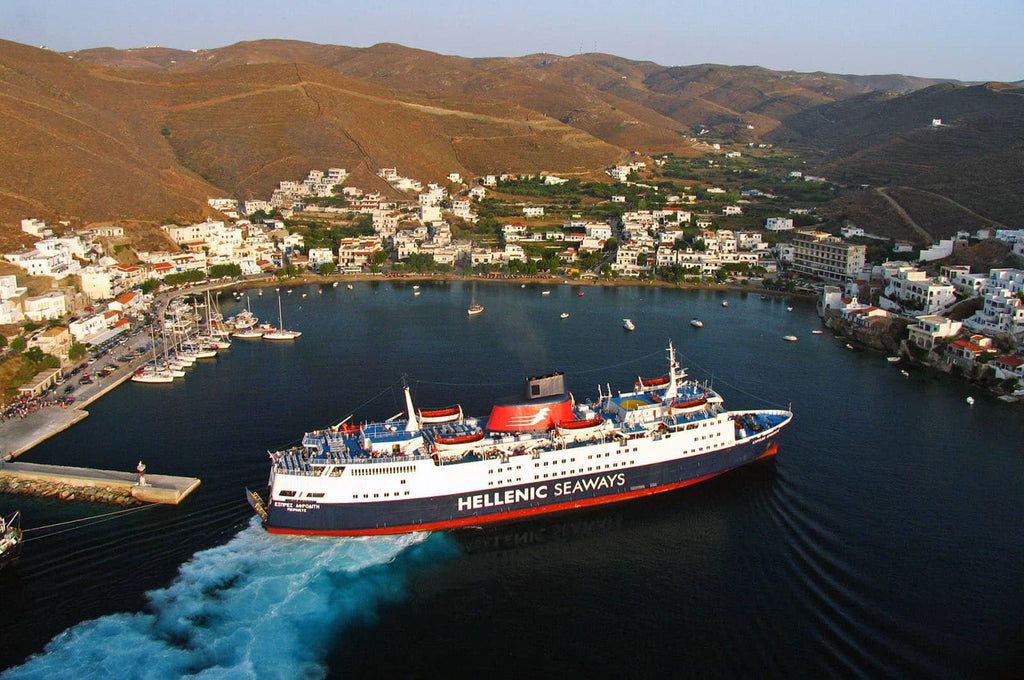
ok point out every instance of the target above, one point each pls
(904, 214)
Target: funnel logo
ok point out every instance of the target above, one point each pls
(530, 420)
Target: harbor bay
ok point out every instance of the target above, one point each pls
(883, 540)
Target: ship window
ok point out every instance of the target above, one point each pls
(366, 495)
(376, 495)
(287, 494)
(355, 496)
(402, 482)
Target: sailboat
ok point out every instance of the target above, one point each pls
(151, 373)
(474, 308)
(280, 333)
(245, 324)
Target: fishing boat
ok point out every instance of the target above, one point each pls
(542, 452)
(10, 537)
(280, 333)
(628, 324)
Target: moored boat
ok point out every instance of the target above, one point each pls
(789, 338)
(540, 453)
(696, 323)
(628, 324)
(474, 309)
(10, 537)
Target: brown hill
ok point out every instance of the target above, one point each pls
(970, 167)
(94, 143)
(149, 134)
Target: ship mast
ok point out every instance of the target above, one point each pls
(413, 424)
(672, 390)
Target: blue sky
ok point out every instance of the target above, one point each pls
(977, 40)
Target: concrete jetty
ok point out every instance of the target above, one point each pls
(83, 484)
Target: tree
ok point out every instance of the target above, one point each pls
(77, 351)
(326, 268)
(149, 286)
(3, 341)
(218, 271)
(18, 345)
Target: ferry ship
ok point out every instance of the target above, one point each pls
(438, 469)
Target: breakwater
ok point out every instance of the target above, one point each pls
(46, 488)
(87, 484)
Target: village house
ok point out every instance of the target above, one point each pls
(965, 354)
(778, 224)
(908, 287)
(929, 328)
(46, 307)
(54, 341)
(1009, 366)
(533, 211)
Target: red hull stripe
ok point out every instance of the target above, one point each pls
(515, 514)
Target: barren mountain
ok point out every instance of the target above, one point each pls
(151, 133)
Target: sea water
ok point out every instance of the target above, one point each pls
(882, 541)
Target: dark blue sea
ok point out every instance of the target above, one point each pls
(886, 540)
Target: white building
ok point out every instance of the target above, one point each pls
(50, 305)
(910, 287)
(931, 327)
(533, 211)
(778, 224)
(829, 257)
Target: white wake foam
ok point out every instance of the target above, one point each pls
(261, 606)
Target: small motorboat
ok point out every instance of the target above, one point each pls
(970, 401)
(789, 309)
(817, 332)
(789, 338)
(725, 303)
(893, 360)
(696, 323)
(563, 315)
(628, 324)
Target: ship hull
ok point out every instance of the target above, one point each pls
(473, 507)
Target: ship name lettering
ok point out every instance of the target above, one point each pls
(590, 484)
(506, 497)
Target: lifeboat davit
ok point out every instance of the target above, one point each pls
(458, 441)
(691, 405)
(440, 415)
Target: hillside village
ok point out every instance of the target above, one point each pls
(635, 228)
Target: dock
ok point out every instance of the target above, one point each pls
(77, 483)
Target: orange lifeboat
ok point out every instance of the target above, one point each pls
(693, 404)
